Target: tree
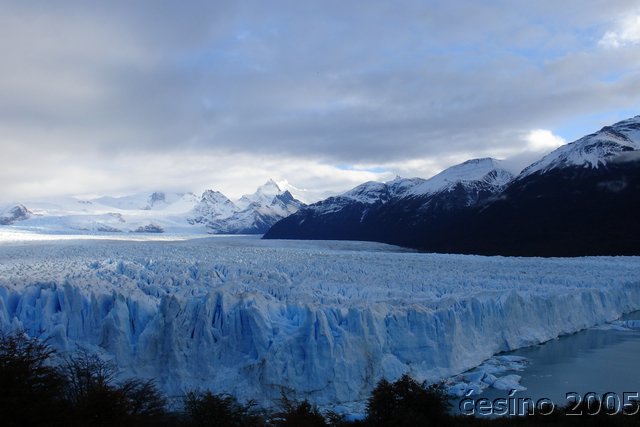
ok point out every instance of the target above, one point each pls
(30, 387)
(407, 403)
(294, 414)
(97, 400)
(218, 410)
(143, 399)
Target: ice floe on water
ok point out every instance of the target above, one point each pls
(622, 325)
(489, 374)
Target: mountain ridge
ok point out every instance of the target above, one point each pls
(156, 212)
(578, 200)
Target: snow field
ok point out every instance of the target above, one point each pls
(319, 320)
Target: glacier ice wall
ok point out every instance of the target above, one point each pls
(321, 320)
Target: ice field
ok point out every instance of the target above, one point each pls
(321, 320)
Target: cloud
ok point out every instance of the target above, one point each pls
(53, 174)
(627, 33)
(537, 143)
(543, 140)
(138, 95)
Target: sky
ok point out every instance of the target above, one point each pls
(122, 97)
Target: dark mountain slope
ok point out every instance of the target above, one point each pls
(582, 199)
(565, 212)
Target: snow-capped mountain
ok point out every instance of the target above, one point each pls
(368, 193)
(263, 196)
(13, 214)
(252, 214)
(158, 200)
(155, 212)
(213, 205)
(487, 173)
(581, 199)
(611, 143)
(372, 192)
(364, 212)
(361, 199)
(400, 187)
(305, 195)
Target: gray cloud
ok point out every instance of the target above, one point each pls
(332, 82)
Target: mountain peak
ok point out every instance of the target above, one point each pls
(214, 196)
(486, 169)
(368, 192)
(270, 187)
(156, 198)
(252, 213)
(13, 214)
(262, 196)
(593, 150)
(285, 197)
(484, 162)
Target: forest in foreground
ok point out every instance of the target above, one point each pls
(39, 387)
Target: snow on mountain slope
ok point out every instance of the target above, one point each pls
(376, 192)
(14, 213)
(382, 211)
(252, 214)
(263, 195)
(399, 187)
(368, 193)
(477, 172)
(110, 222)
(253, 317)
(305, 195)
(59, 206)
(157, 200)
(215, 206)
(487, 172)
(154, 211)
(592, 151)
(259, 216)
(579, 200)
(186, 213)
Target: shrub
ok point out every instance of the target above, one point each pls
(294, 414)
(218, 410)
(30, 387)
(97, 400)
(407, 403)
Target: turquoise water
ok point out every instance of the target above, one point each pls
(563, 370)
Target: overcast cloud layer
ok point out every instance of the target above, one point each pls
(120, 97)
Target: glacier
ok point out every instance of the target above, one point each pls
(157, 212)
(321, 320)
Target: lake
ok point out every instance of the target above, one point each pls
(601, 360)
